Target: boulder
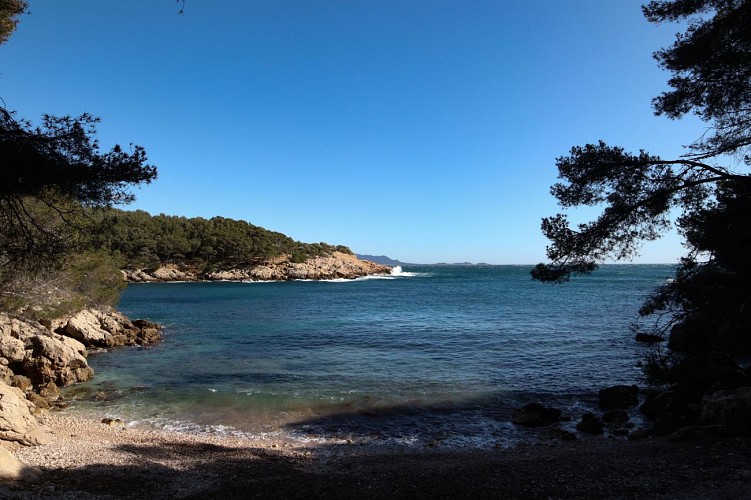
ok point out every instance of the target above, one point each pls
(730, 408)
(86, 328)
(590, 424)
(71, 344)
(54, 360)
(12, 349)
(669, 410)
(49, 391)
(17, 424)
(170, 272)
(6, 374)
(21, 330)
(617, 417)
(697, 374)
(649, 338)
(22, 382)
(41, 403)
(619, 396)
(535, 415)
(12, 469)
(147, 332)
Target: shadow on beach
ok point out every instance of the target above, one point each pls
(170, 466)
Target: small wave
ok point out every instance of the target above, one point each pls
(398, 272)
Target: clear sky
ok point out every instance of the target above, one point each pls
(423, 130)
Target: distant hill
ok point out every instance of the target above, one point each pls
(388, 261)
(145, 241)
(383, 260)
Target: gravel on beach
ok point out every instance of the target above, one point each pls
(90, 459)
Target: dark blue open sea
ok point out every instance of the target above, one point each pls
(434, 356)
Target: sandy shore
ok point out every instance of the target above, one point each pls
(88, 459)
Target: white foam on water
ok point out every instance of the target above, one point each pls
(398, 272)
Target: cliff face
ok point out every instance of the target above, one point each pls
(334, 266)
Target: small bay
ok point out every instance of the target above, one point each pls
(433, 355)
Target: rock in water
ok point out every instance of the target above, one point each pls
(619, 396)
(590, 424)
(535, 415)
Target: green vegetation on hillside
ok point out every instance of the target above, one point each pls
(143, 241)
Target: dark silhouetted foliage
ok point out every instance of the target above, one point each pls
(709, 189)
(49, 177)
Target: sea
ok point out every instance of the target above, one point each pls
(435, 356)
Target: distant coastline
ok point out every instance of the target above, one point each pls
(388, 261)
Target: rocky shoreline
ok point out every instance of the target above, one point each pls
(338, 265)
(39, 358)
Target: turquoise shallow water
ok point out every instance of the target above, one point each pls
(432, 355)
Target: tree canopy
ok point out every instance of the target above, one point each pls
(48, 176)
(144, 241)
(709, 188)
(9, 12)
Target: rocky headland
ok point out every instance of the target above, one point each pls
(338, 265)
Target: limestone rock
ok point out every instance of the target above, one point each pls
(12, 349)
(12, 469)
(170, 272)
(148, 332)
(6, 374)
(55, 360)
(22, 382)
(336, 265)
(86, 328)
(21, 330)
(17, 424)
(535, 415)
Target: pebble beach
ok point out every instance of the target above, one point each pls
(91, 459)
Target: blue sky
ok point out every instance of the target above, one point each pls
(423, 130)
